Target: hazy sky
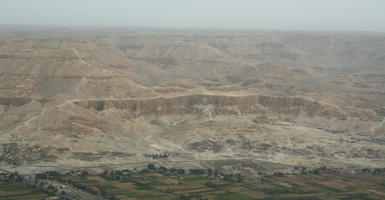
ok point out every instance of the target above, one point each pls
(356, 15)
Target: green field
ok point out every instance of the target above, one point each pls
(19, 191)
(289, 186)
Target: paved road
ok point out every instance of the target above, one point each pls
(71, 167)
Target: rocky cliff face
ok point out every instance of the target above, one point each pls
(294, 109)
(14, 101)
(185, 104)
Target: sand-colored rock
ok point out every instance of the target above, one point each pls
(96, 97)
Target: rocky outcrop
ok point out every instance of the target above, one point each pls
(19, 101)
(279, 108)
(14, 101)
(224, 105)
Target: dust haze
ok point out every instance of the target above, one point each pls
(329, 15)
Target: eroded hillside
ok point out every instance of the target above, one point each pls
(111, 98)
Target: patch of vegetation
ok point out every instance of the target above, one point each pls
(356, 196)
(106, 187)
(195, 178)
(233, 195)
(139, 195)
(20, 191)
(276, 191)
(162, 183)
(143, 186)
(155, 181)
(327, 188)
(382, 184)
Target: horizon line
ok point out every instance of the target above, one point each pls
(187, 28)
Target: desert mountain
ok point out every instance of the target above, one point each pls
(96, 97)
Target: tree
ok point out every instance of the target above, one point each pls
(316, 171)
(84, 174)
(240, 179)
(19, 179)
(181, 171)
(209, 172)
(197, 171)
(228, 177)
(216, 172)
(151, 167)
(41, 176)
(210, 184)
